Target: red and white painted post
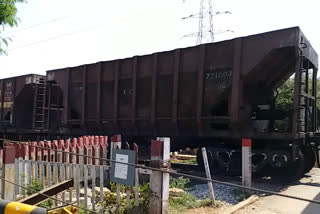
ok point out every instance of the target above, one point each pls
(32, 155)
(55, 152)
(101, 151)
(1, 156)
(67, 157)
(115, 144)
(105, 154)
(159, 181)
(22, 154)
(165, 176)
(246, 162)
(90, 150)
(48, 162)
(8, 171)
(16, 168)
(42, 159)
(96, 148)
(61, 159)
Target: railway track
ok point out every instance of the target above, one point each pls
(194, 169)
(258, 181)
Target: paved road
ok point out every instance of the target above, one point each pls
(308, 187)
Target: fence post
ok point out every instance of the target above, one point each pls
(136, 192)
(1, 156)
(246, 162)
(101, 174)
(41, 161)
(48, 162)
(17, 169)
(8, 171)
(29, 167)
(127, 187)
(116, 144)
(106, 147)
(21, 167)
(207, 168)
(160, 154)
(67, 158)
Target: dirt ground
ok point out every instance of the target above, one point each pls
(205, 210)
(308, 188)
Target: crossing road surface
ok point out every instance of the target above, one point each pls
(308, 187)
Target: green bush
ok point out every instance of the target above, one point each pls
(35, 187)
(179, 182)
(109, 204)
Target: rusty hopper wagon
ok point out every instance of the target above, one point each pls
(209, 95)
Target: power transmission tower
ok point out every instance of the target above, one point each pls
(202, 31)
(205, 25)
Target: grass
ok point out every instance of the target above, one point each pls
(186, 201)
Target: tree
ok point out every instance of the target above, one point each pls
(284, 100)
(8, 18)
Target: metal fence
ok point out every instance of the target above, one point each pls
(47, 163)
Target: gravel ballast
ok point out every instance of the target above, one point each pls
(222, 192)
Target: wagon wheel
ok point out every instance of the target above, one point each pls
(294, 171)
(310, 158)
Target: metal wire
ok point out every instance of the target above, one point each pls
(177, 173)
(47, 196)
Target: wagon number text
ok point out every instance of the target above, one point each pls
(218, 75)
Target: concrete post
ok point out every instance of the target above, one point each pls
(155, 206)
(8, 171)
(165, 176)
(159, 182)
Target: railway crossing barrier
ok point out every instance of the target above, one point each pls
(11, 207)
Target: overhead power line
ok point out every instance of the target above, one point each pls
(37, 25)
(52, 38)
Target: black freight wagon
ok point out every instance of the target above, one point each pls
(212, 94)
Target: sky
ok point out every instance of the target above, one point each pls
(63, 33)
